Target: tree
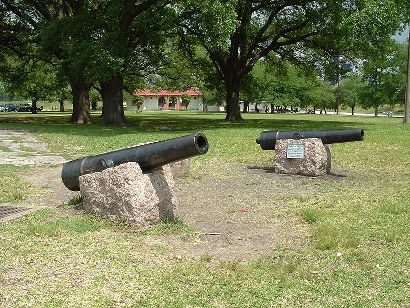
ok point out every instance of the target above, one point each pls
(4, 95)
(129, 41)
(351, 90)
(51, 31)
(404, 11)
(236, 34)
(319, 95)
(407, 96)
(385, 76)
(175, 70)
(28, 79)
(281, 83)
(92, 41)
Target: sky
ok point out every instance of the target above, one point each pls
(402, 37)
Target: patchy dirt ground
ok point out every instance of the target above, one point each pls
(237, 216)
(21, 148)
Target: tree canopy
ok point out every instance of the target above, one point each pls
(110, 45)
(236, 34)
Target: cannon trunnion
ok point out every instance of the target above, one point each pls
(267, 139)
(148, 156)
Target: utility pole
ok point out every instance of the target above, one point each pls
(406, 118)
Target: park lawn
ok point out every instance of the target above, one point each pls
(358, 255)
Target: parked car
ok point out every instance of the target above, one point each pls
(27, 108)
(24, 108)
(2, 109)
(10, 107)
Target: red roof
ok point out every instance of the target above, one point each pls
(148, 92)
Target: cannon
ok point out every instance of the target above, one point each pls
(148, 156)
(267, 139)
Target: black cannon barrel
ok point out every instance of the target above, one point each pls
(148, 156)
(267, 139)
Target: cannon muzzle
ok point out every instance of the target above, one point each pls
(148, 156)
(267, 139)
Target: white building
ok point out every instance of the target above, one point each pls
(167, 100)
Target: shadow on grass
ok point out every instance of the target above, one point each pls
(266, 169)
(171, 123)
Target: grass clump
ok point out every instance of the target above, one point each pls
(43, 224)
(310, 215)
(12, 188)
(171, 227)
(74, 201)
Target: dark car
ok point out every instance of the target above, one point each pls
(27, 108)
(10, 107)
(24, 108)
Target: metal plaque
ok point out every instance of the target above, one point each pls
(295, 151)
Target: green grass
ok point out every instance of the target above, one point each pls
(176, 226)
(4, 149)
(358, 254)
(12, 188)
(42, 226)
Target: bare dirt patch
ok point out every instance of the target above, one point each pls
(21, 148)
(237, 217)
(238, 212)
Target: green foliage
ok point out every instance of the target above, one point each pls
(386, 76)
(285, 84)
(28, 79)
(320, 95)
(351, 91)
(250, 31)
(372, 24)
(3, 92)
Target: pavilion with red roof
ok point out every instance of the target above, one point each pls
(167, 99)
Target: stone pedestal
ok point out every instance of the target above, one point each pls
(125, 193)
(180, 168)
(316, 158)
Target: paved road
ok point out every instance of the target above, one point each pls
(363, 114)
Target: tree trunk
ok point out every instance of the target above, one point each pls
(34, 106)
(352, 110)
(61, 101)
(272, 108)
(376, 111)
(111, 92)
(81, 106)
(245, 106)
(232, 84)
(406, 118)
(337, 98)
